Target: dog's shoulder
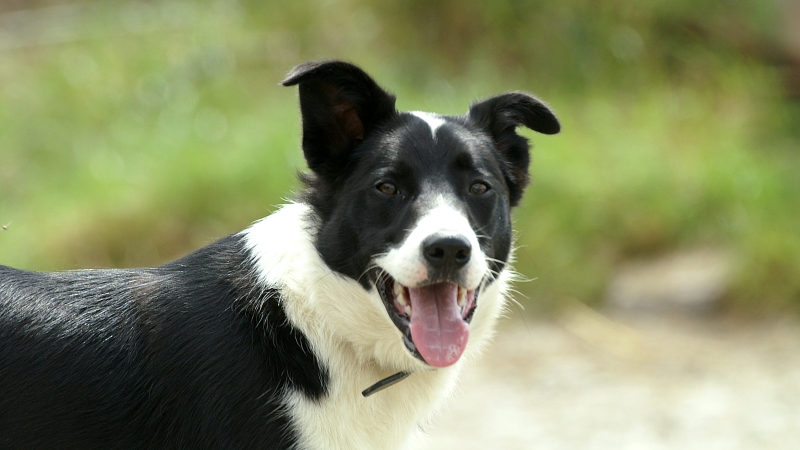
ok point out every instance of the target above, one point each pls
(209, 346)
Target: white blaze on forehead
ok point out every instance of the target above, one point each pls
(432, 120)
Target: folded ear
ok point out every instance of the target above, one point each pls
(499, 117)
(340, 105)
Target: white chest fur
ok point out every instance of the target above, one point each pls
(352, 336)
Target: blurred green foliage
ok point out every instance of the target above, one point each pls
(134, 132)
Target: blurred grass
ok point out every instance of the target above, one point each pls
(132, 133)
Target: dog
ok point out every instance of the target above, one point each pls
(339, 321)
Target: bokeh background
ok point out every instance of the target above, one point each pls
(132, 132)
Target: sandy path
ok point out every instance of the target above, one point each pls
(587, 382)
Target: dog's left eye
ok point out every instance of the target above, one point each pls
(387, 188)
(478, 188)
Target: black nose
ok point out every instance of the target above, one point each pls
(446, 251)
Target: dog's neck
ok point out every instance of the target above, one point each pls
(330, 310)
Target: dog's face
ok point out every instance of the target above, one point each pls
(414, 206)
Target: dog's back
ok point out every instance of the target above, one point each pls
(187, 355)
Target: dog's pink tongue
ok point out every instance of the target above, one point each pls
(438, 331)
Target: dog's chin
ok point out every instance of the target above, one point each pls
(433, 319)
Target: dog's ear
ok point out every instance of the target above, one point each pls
(340, 105)
(499, 117)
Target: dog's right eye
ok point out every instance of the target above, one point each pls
(478, 188)
(387, 188)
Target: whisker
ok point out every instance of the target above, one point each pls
(368, 269)
(490, 259)
(373, 265)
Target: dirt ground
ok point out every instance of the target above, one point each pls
(588, 381)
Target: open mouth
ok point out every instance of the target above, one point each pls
(434, 319)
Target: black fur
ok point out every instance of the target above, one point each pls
(197, 353)
(500, 116)
(373, 143)
(340, 105)
(193, 354)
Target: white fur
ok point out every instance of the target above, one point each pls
(406, 263)
(432, 120)
(351, 334)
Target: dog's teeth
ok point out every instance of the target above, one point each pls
(399, 294)
(407, 310)
(462, 296)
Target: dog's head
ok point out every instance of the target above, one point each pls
(414, 206)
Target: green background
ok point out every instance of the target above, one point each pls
(134, 132)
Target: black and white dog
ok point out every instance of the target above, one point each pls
(392, 263)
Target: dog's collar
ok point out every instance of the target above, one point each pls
(385, 383)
